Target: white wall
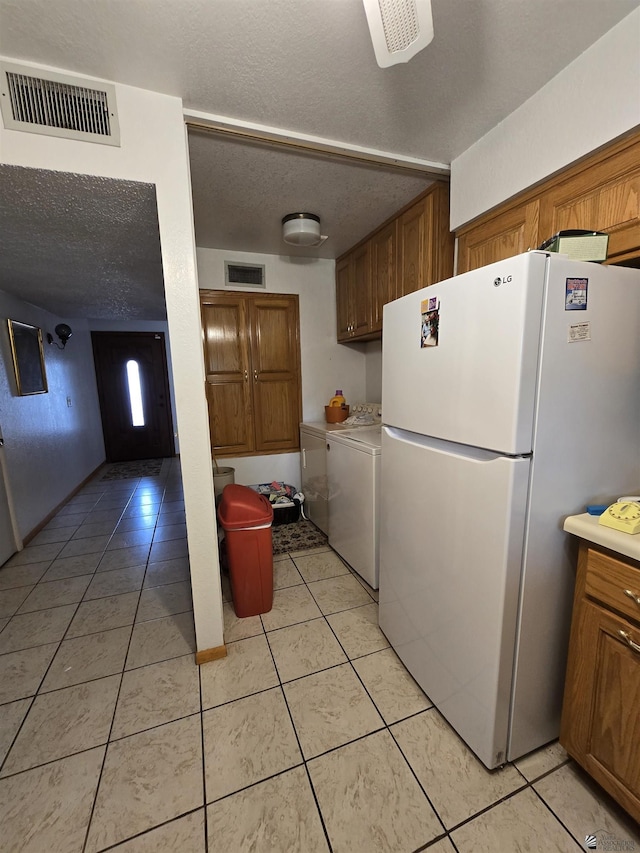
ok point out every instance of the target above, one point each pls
(50, 447)
(326, 365)
(373, 392)
(591, 102)
(154, 149)
(146, 326)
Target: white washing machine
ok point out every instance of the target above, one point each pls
(313, 458)
(353, 473)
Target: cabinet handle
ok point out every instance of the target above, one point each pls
(246, 375)
(304, 458)
(255, 375)
(627, 638)
(632, 595)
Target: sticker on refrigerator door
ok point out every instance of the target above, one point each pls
(576, 294)
(579, 332)
(430, 311)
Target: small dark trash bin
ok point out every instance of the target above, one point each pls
(246, 519)
(285, 500)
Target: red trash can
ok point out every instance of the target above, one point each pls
(246, 519)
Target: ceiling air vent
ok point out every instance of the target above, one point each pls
(58, 105)
(244, 275)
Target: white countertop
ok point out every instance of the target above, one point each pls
(587, 527)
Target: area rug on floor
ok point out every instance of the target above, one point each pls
(299, 536)
(127, 470)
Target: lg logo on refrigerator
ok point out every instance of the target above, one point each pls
(498, 281)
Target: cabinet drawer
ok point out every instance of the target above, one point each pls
(613, 583)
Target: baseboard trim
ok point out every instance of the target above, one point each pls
(206, 655)
(26, 539)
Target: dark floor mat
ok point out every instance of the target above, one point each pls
(128, 470)
(299, 536)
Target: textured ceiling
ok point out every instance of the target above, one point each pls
(81, 246)
(305, 66)
(242, 191)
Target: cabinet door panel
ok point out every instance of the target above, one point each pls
(613, 207)
(230, 421)
(225, 341)
(275, 359)
(600, 717)
(272, 327)
(344, 298)
(226, 360)
(361, 260)
(276, 425)
(504, 236)
(384, 250)
(412, 249)
(617, 684)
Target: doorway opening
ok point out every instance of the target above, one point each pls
(133, 390)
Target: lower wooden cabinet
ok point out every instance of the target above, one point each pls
(601, 711)
(251, 347)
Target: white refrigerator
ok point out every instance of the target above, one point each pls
(510, 399)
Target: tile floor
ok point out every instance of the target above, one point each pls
(310, 736)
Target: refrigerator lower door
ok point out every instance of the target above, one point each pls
(451, 538)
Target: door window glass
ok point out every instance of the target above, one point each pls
(135, 393)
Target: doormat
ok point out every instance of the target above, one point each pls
(128, 470)
(299, 536)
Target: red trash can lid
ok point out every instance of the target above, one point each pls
(241, 507)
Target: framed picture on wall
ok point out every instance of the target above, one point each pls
(28, 358)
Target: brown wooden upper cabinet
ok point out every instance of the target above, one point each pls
(251, 349)
(601, 193)
(353, 293)
(410, 251)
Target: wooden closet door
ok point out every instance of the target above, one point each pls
(228, 374)
(275, 351)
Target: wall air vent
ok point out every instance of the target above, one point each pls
(58, 105)
(244, 275)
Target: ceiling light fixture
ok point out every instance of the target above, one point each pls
(302, 229)
(63, 332)
(399, 28)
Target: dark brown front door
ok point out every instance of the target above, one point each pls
(135, 425)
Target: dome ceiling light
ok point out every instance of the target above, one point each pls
(302, 229)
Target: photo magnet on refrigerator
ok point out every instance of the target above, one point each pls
(430, 311)
(576, 294)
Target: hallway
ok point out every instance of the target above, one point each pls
(310, 736)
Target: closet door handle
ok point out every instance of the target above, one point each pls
(246, 375)
(627, 638)
(632, 595)
(255, 375)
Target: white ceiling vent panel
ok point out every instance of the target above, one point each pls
(58, 105)
(244, 275)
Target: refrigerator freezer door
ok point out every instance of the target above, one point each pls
(450, 561)
(477, 386)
